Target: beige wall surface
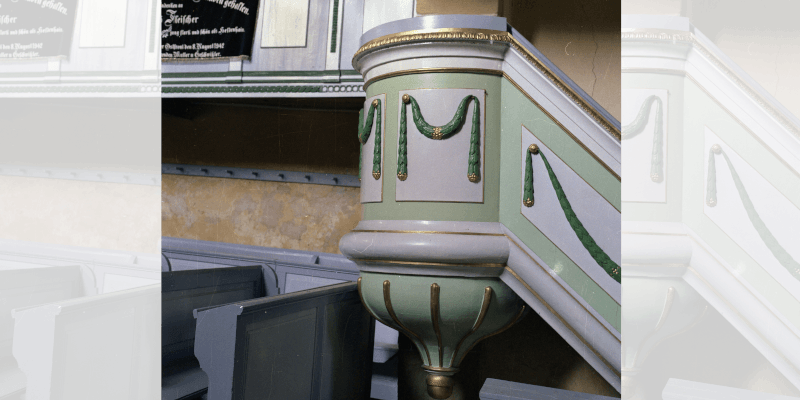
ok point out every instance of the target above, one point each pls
(110, 216)
(582, 38)
(272, 214)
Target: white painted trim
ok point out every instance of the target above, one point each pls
(152, 60)
(665, 57)
(562, 108)
(717, 282)
(332, 60)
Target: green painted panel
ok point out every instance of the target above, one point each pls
(671, 209)
(389, 209)
(702, 111)
(518, 110)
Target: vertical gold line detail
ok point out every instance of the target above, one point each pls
(700, 318)
(503, 329)
(387, 299)
(664, 314)
(435, 319)
(487, 299)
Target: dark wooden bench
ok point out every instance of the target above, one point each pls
(182, 292)
(91, 347)
(21, 288)
(311, 344)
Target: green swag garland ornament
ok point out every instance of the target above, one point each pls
(784, 258)
(441, 133)
(637, 126)
(602, 259)
(364, 129)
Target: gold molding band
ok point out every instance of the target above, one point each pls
(482, 71)
(675, 37)
(435, 320)
(430, 264)
(487, 299)
(662, 71)
(428, 232)
(387, 299)
(488, 35)
(661, 320)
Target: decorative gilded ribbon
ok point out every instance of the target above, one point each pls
(784, 258)
(588, 242)
(637, 126)
(440, 133)
(364, 129)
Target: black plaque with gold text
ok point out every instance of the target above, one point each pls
(207, 29)
(36, 28)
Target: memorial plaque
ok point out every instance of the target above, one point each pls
(36, 28)
(207, 29)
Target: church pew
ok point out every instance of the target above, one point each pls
(309, 344)
(182, 292)
(23, 287)
(92, 347)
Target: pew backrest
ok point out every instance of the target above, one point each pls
(184, 291)
(92, 347)
(33, 286)
(310, 344)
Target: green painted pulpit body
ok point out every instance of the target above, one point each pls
(443, 316)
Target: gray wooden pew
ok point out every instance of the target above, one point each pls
(311, 344)
(496, 389)
(91, 347)
(288, 271)
(182, 292)
(23, 288)
(680, 389)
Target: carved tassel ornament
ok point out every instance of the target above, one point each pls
(637, 126)
(600, 256)
(364, 129)
(784, 258)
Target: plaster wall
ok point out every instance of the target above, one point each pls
(110, 216)
(582, 38)
(310, 136)
(272, 214)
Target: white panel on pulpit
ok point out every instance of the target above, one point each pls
(597, 215)
(438, 169)
(780, 217)
(641, 146)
